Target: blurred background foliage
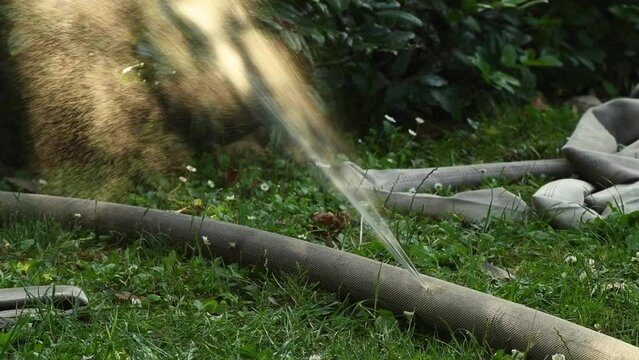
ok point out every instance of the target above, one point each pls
(445, 60)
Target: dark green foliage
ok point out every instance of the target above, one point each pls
(598, 42)
(431, 58)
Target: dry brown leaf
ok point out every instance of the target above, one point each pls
(334, 221)
(127, 296)
(495, 272)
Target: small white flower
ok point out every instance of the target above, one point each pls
(419, 120)
(518, 355)
(182, 179)
(191, 168)
(616, 285)
(360, 141)
(78, 215)
(590, 262)
(390, 160)
(210, 184)
(558, 357)
(302, 236)
(583, 276)
(597, 326)
(136, 301)
(315, 357)
(230, 197)
(42, 182)
(264, 186)
(251, 217)
(412, 190)
(412, 132)
(390, 119)
(216, 317)
(570, 259)
(635, 258)
(438, 185)
(205, 240)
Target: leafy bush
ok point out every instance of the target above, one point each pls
(596, 40)
(443, 59)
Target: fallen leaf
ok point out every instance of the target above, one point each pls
(495, 272)
(127, 296)
(334, 221)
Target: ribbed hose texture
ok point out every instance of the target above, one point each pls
(461, 175)
(441, 305)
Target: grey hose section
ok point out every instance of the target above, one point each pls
(398, 189)
(25, 301)
(63, 296)
(440, 305)
(455, 176)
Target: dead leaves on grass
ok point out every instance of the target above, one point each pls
(327, 225)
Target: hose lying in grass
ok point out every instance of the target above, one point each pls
(399, 189)
(442, 306)
(603, 150)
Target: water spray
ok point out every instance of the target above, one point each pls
(247, 56)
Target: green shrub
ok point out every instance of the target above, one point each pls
(445, 59)
(596, 40)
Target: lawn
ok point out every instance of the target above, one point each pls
(149, 301)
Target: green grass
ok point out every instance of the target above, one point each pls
(191, 308)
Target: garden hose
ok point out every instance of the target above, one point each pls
(398, 189)
(603, 151)
(441, 306)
